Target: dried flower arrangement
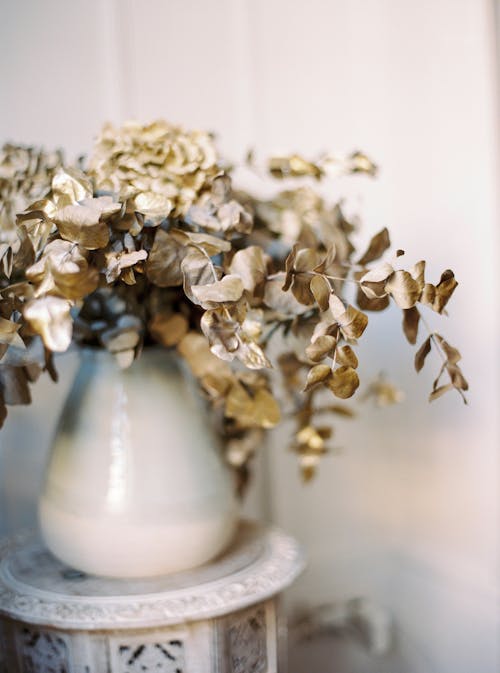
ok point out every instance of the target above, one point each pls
(150, 244)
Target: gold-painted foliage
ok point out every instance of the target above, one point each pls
(150, 244)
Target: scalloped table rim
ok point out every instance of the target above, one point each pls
(280, 562)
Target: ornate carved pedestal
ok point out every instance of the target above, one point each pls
(220, 618)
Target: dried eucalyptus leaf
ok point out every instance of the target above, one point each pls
(293, 166)
(404, 289)
(343, 382)
(376, 248)
(250, 264)
(116, 262)
(352, 322)
(154, 206)
(281, 301)
(310, 438)
(411, 319)
(323, 346)
(168, 330)
(422, 353)
(346, 356)
(317, 374)
(71, 185)
(417, 272)
(197, 269)
(212, 245)
(452, 354)
(259, 411)
(373, 282)
(375, 304)
(82, 225)
(289, 267)
(441, 390)
(63, 269)
(232, 216)
(163, 267)
(9, 334)
(228, 289)
(444, 290)
(252, 356)
(196, 351)
(320, 288)
(50, 318)
(457, 378)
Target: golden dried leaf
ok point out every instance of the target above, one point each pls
(281, 301)
(320, 288)
(63, 269)
(212, 245)
(411, 319)
(116, 262)
(323, 346)
(228, 289)
(9, 335)
(346, 356)
(232, 216)
(373, 282)
(317, 374)
(441, 390)
(154, 206)
(195, 349)
(452, 354)
(343, 382)
(289, 267)
(260, 410)
(404, 289)
(50, 318)
(428, 295)
(417, 272)
(293, 166)
(250, 264)
(70, 185)
(352, 322)
(168, 330)
(376, 304)
(163, 267)
(376, 248)
(422, 353)
(311, 438)
(82, 225)
(444, 289)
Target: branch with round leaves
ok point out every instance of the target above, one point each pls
(151, 244)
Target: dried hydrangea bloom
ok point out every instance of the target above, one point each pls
(25, 175)
(161, 167)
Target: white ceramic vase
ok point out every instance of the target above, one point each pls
(135, 484)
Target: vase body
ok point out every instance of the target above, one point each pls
(135, 483)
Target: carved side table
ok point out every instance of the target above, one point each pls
(220, 618)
